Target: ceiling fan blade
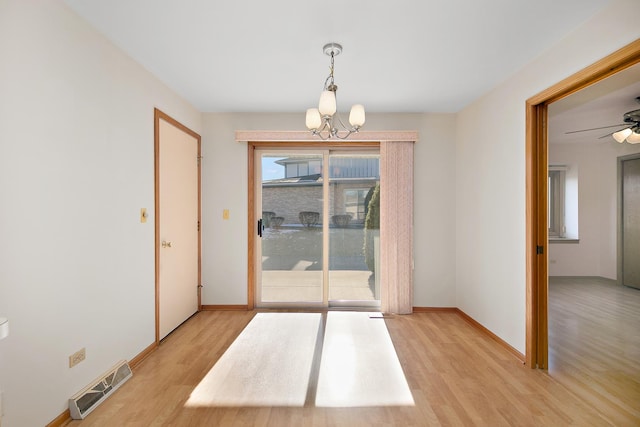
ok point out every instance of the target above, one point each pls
(601, 127)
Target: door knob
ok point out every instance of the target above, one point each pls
(166, 244)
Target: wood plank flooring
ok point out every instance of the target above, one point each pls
(457, 375)
(594, 344)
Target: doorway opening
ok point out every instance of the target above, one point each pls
(537, 194)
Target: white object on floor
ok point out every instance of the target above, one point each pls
(359, 365)
(269, 364)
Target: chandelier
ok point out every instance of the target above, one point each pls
(324, 121)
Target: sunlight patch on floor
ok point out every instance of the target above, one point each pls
(359, 365)
(269, 364)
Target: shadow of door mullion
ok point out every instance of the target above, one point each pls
(314, 374)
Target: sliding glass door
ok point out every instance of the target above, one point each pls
(354, 228)
(291, 248)
(318, 228)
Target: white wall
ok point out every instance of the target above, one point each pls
(76, 166)
(490, 174)
(224, 186)
(595, 255)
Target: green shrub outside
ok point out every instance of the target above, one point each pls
(371, 223)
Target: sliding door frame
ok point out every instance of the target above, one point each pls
(323, 148)
(283, 139)
(256, 175)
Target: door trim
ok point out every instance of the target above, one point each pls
(619, 215)
(254, 173)
(290, 139)
(157, 116)
(252, 146)
(536, 147)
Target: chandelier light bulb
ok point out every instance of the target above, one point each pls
(620, 136)
(327, 105)
(314, 121)
(356, 117)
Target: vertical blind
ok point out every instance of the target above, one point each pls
(396, 226)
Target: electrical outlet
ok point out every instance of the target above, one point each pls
(77, 357)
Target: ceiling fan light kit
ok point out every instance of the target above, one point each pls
(324, 121)
(621, 135)
(634, 138)
(631, 134)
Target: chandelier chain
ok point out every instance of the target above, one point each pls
(330, 77)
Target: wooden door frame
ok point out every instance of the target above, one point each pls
(295, 139)
(536, 355)
(252, 147)
(157, 116)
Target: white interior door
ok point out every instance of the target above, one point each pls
(178, 225)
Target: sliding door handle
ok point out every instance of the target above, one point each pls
(260, 227)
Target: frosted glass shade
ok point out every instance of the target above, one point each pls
(620, 136)
(634, 138)
(4, 328)
(313, 119)
(356, 117)
(327, 104)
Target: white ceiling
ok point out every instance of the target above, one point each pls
(399, 56)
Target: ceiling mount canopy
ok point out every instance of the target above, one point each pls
(324, 120)
(632, 132)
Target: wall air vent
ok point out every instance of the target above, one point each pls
(85, 401)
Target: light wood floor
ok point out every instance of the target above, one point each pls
(594, 344)
(457, 375)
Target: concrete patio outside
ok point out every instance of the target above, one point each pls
(292, 265)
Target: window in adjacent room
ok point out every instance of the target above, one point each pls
(563, 203)
(556, 202)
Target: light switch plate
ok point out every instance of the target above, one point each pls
(77, 357)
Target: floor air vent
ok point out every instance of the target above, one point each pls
(82, 403)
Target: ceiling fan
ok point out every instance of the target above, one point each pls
(630, 132)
